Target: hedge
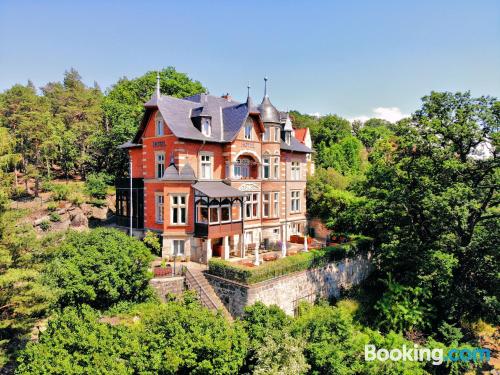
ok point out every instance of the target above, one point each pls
(283, 266)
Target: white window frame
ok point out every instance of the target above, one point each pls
(198, 214)
(276, 167)
(159, 208)
(241, 170)
(276, 204)
(249, 237)
(288, 137)
(159, 161)
(295, 201)
(203, 163)
(178, 245)
(267, 134)
(248, 131)
(295, 170)
(228, 206)
(206, 127)
(252, 200)
(216, 208)
(159, 125)
(266, 202)
(178, 207)
(277, 134)
(240, 209)
(266, 165)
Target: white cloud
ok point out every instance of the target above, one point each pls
(315, 114)
(391, 114)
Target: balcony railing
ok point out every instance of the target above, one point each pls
(218, 230)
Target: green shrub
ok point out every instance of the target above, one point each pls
(76, 198)
(152, 241)
(55, 217)
(52, 206)
(45, 225)
(47, 185)
(287, 265)
(100, 268)
(60, 192)
(177, 337)
(96, 185)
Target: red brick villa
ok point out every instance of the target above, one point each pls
(216, 177)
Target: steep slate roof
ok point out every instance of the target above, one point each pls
(173, 174)
(227, 117)
(295, 146)
(217, 189)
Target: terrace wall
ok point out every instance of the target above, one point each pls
(287, 291)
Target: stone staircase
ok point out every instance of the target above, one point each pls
(196, 280)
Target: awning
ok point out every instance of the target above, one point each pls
(217, 189)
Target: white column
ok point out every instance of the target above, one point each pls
(225, 249)
(242, 242)
(208, 249)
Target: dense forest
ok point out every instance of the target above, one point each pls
(425, 189)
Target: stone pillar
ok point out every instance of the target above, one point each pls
(187, 248)
(225, 248)
(207, 250)
(242, 244)
(166, 250)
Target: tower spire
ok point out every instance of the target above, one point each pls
(265, 86)
(158, 84)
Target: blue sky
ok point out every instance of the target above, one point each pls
(345, 57)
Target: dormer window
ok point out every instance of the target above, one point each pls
(206, 127)
(288, 137)
(160, 130)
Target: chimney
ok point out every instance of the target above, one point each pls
(227, 97)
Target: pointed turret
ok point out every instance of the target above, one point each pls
(268, 112)
(153, 102)
(251, 107)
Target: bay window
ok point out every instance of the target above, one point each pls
(178, 209)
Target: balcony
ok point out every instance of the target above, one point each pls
(217, 230)
(218, 210)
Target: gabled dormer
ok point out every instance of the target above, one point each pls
(202, 121)
(288, 130)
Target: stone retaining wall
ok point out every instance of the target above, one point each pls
(287, 291)
(166, 285)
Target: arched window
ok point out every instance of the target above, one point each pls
(159, 125)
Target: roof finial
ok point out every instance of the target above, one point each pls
(158, 84)
(248, 89)
(172, 159)
(265, 86)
